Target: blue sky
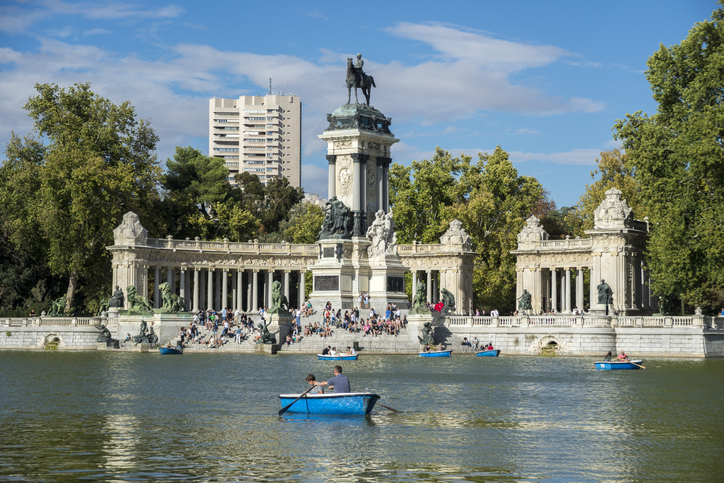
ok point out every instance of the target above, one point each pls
(546, 81)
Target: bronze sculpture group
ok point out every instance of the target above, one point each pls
(357, 78)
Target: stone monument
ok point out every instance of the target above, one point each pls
(353, 258)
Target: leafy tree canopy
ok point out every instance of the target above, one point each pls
(677, 157)
(69, 193)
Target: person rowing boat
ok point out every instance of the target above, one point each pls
(340, 382)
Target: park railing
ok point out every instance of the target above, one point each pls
(52, 321)
(569, 320)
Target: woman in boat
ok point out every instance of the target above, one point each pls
(317, 389)
(608, 357)
(622, 357)
(439, 347)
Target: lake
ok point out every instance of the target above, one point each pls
(69, 416)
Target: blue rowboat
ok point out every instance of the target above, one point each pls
(350, 403)
(170, 350)
(490, 353)
(322, 357)
(616, 365)
(436, 354)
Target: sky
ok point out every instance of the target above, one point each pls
(545, 81)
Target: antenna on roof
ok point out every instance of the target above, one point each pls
(269, 85)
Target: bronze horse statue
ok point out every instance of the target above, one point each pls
(357, 80)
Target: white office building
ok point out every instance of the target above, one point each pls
(259, 135)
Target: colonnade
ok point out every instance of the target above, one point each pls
(561, 293)
(432, 279)
(218, 288)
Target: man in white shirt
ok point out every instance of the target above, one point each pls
(494, 313)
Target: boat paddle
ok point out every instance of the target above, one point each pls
(285, 408)
(632, 362)
(387, 407)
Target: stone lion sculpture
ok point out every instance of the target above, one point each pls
(280, 304)
(418, 300)
(448, 300)
(172, 303)
(137, 302)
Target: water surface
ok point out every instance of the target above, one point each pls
(213, 417)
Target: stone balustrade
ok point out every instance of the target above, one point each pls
(564, 320)
(52, 321)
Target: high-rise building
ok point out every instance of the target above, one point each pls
(258, 135)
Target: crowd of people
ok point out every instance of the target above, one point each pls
(354, 322)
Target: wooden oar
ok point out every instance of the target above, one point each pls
(284, 409)
(387, 407)
(632, 362)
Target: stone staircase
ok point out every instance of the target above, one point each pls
(247, 345)
(341, 339)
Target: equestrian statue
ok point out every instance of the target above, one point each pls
(357, 78)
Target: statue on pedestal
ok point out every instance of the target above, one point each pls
(337, 220)
(419, 299)
(382, 234)
(426, 334)
(172, 303)
(280, 304)
(448, 301)
(137, 303)
(117, 299)
(605, 294)
(57, 308)
(266, 337)
(525, 301)
(146, 335)
(358, 79)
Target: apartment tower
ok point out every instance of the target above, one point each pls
(258, 135)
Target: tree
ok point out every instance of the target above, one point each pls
(496, 205)
(70, 193)
(200, 201)
(488, 198)
(420, 193)
(677, 157)
(270, 203)
(305, 221)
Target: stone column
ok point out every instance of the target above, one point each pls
(239, 291)
(183, 292)
(568, 290)
(217, 292)
(435, 291)
(380, 185)
(332, 176)
(269, 288)
(579, 289)
(429, 285)
(224, 289)
(286, 284)
(234, 289)
(170, 279)
(385, 182)
(202, 290)
(156, 291)
(249, 286)
(300, 295)
(554, 290)
(363, 193)
(356, 194)
(414, 282)
(196, 290)
(254, 291)
(210, 289)
(265, 289)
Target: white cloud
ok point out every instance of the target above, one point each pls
(97, 31)
(585, 157)
(484, 52)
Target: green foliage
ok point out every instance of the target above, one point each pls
(490, 200)
(677, 158)
(495, 208)
(69, 194)
(305, 221)
(420, 193)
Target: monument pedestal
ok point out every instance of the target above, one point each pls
(387, 282)
(279, 326)
(341, 273)
(416, 324)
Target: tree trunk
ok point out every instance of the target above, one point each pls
(70, 294)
